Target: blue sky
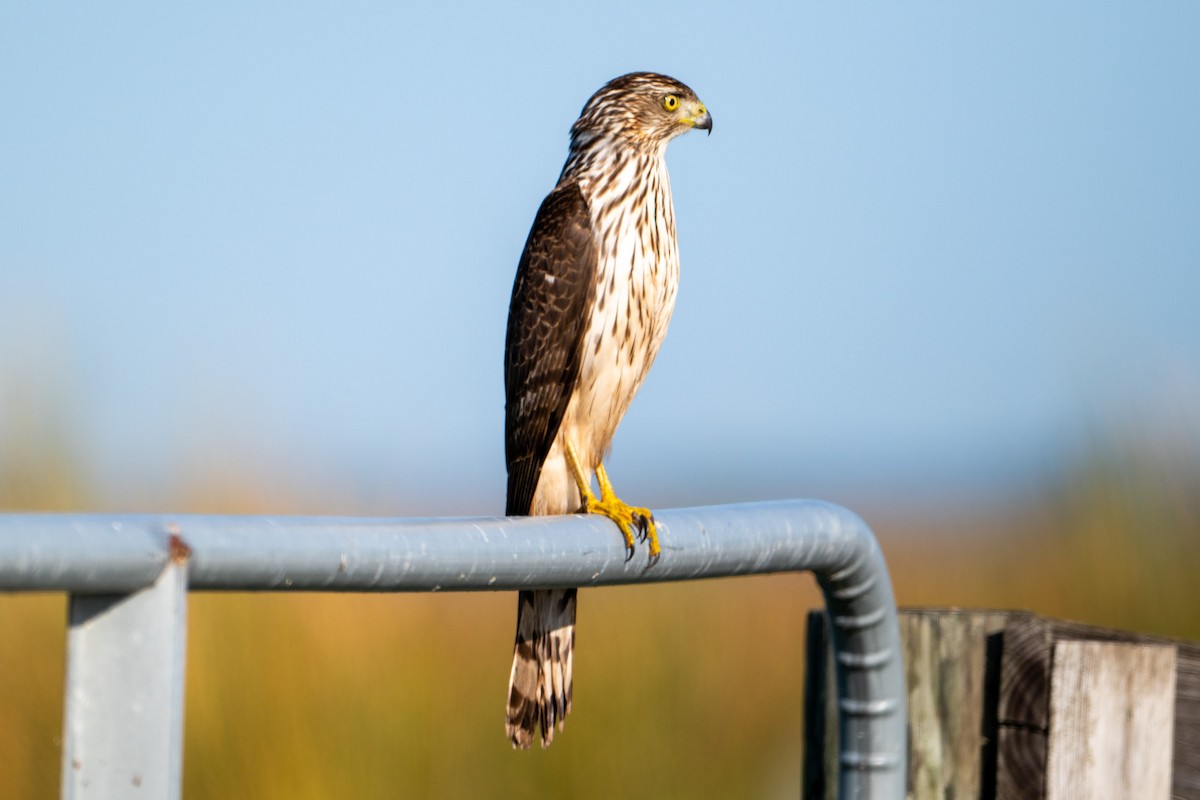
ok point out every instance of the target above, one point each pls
(927, 248)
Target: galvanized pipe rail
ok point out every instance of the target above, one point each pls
(128, 578)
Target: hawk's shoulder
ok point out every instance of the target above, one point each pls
(554, 287)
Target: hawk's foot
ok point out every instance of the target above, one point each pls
(628, 518)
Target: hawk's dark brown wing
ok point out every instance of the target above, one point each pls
(555, 284)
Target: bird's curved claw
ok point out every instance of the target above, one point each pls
(629, 549)
(648, 533)
(642, 525)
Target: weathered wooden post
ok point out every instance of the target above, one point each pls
(1011, 705)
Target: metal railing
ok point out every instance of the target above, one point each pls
(128, 577)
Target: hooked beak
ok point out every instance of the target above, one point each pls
(702, 119)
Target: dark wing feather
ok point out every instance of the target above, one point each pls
(555, 284)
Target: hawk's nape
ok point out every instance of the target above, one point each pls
(593, 295)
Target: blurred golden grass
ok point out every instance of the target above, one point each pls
(681, 690)
(367, 696)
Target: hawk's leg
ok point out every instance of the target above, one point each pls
(626, 516)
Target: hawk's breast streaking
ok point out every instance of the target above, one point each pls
(593, 295)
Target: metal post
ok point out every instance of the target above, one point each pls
(123, 726)
(872, 701)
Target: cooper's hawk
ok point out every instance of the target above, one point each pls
(594, 292)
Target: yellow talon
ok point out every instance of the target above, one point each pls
(626, 516)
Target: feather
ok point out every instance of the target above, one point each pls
(539, 691)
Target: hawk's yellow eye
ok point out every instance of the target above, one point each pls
(670, 102)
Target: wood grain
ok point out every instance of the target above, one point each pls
(1112, 710)
(949, 680)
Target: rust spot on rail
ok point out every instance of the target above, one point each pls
(178, 548)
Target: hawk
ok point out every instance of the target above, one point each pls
(593, 294)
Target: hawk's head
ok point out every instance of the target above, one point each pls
(644, 108)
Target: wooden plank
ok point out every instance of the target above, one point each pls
(1024, 715)
(1022, 711)
(1185, 784)
(952, 687)
(1020, 764)
(1025, 673)
(1112, 709)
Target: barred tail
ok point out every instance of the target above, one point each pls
(539, 689)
